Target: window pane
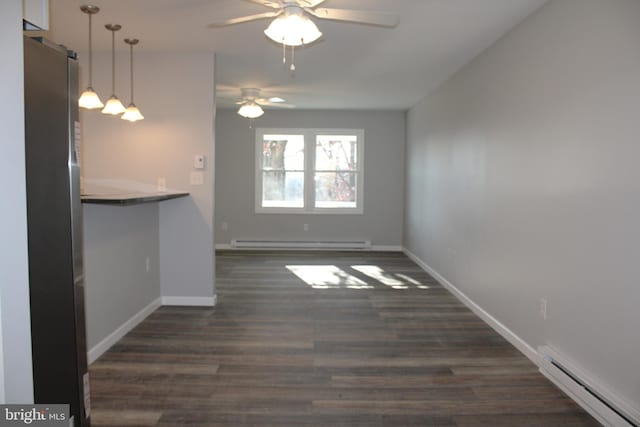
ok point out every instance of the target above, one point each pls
(283, 152)
(336, 152)
(335, 189)
(283, 189)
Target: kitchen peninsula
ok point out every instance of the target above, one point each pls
(123, 256)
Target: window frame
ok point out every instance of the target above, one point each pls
(309, 135)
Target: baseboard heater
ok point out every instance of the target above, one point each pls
(606, 408)
(300, 244)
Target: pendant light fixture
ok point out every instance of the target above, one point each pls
(292, 28)
(132, 113)
(89, 98)
(114, 106)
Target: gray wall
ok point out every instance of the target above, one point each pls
(117, 242)
(523, 183)
(16, 381)
(383, 179)
(175, 92)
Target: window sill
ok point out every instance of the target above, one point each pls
(285, 211)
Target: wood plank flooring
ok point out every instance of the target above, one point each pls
(323, 339)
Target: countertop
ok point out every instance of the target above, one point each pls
(132, 198)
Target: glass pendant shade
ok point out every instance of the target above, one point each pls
(250, 110)
(113, 106)
(293, 30)
(90, 99)
(132, 113)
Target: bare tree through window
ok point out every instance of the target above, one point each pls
(283, 170)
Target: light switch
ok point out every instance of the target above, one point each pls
(197, 178)
(198, 161)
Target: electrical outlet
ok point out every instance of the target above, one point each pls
(543, 308)
(147, 264)
(305, 227)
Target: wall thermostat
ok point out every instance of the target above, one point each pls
(198, 161)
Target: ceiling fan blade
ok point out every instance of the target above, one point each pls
(276, 104)
(268, 3)
(243, 19)
(226, 88)
(231, 99)
(358, 16)
(310, 3)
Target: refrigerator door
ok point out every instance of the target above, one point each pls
(54, 229)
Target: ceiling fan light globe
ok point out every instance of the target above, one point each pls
(90, 100)
(251, 111)
(293, 30)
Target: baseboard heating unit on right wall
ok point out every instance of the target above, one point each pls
(604, 406)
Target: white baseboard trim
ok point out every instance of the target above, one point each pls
(223, 246)
(505, 332)
(99, 349)
(191, 301)
(603, 412)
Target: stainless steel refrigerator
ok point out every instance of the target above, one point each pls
(54, 219)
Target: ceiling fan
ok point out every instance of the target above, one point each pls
(293, 26)
(251, 103)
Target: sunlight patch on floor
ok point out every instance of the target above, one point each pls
(327, 277)
(380, 275)
(334, 277)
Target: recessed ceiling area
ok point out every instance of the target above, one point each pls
(352, 66)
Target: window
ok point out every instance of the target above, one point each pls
(309, 171)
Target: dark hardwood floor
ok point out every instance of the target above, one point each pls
(323, 339)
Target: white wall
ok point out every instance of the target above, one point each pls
(383, 179)
(117, 242)
(16, 380)
(523, 183)
(175, 93)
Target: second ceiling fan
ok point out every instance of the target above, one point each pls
(293, 27)
(251, 103)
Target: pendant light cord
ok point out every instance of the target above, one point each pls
(90, 55)
(113, 62)
(131, 61)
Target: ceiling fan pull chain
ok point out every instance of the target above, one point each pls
(284, 52)
(293, 58)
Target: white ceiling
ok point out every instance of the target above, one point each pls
(352, 67)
